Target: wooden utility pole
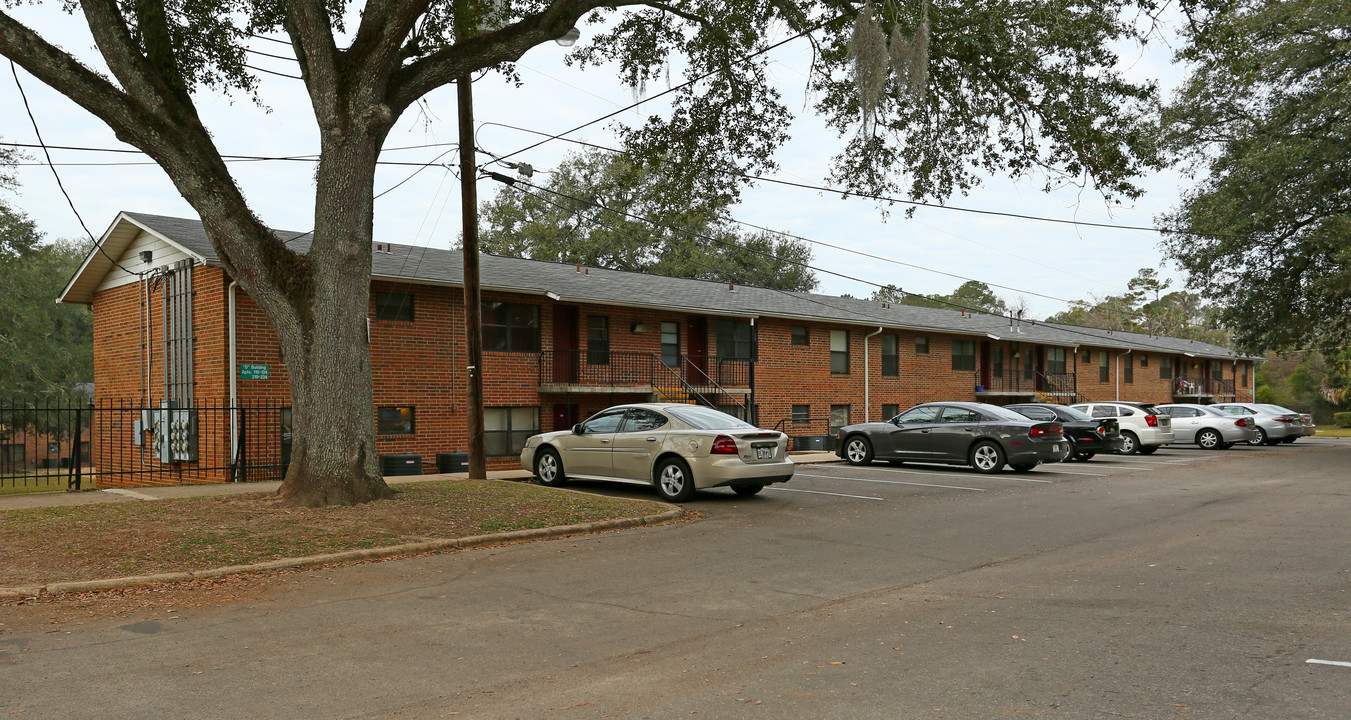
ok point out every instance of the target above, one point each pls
(473, 314)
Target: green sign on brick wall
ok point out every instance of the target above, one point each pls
(253, 372)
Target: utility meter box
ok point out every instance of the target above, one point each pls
(175, 434)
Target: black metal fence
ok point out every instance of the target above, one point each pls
(130, 443)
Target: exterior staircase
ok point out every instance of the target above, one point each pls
(674, 395)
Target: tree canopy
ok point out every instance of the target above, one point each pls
(1265, 118)
(609, 210)
(971, 295)
(932, 94)
(1147, 308)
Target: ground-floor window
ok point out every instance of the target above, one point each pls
(839, 417)
(802, 413)
(394, 420)
(12, 454)
(505, 429)
(890, 411)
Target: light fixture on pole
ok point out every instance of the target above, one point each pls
(569, 38)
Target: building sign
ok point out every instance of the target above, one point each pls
(253, 372)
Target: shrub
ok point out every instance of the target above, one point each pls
(1342, 419)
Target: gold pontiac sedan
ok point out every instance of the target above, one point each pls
(678, 448)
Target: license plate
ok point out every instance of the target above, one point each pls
(1055, 448)
(764, 453)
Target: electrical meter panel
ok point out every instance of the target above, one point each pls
(175, 434)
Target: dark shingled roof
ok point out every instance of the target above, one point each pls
(434, 266)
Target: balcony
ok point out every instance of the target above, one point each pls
(582, 371)
(1021, 385)
(1192, 389)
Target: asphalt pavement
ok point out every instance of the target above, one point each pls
(1181, 584)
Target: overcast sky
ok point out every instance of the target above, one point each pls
(1035, 259)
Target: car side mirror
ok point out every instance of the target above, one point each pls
(577, 429)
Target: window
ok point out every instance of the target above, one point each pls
(1144, 361)
(670, 344)
(802, 413)
(1216, 370)
(394, 306)
(839, 352)
(921, 345)
(1103, 370)
(13, 454)
(890, 411)
(800, 335)
(998, 362)
(1088, 356)
(394, 421)
(505, 430)
(1245, 376)
(510, 327)
(597, 340)
(963, 354)
(1029, 364)
(1128, 370)
(734, 339)
(642, 420)
(839, 417)
(1055, 360)
(891, 364)
(1165, 368)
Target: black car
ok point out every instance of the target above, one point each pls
(957, 433)
(1087, 435)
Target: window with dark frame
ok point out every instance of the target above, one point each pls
(963, 354)
(397, 420)
(670, 344)
(1088, 356)
(800, 335)
(1165, 368)
(1104, 371)
(1144, 361)
(921, 344)
(839, 417)
(510, 327)
(891, 363)
(1245, 375)
(1055, 360)
(997, 361)
(802, 413)
(1128, 372)
(839, 352)
(597, 340)
(396, 306)
(890, 410)
(734, 340)
(13, 454)
(505, 429)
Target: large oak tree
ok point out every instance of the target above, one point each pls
(933, 95)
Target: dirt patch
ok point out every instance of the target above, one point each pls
(90, 542)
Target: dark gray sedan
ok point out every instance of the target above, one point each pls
(957, 433)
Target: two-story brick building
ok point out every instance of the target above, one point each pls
(563, 341)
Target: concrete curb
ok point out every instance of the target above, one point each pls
(58, 588)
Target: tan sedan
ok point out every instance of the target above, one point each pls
(678, 448)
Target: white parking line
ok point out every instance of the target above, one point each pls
(818, 492)
(1328, 662)
(895, 482)
(1071, 472)
(946, 474)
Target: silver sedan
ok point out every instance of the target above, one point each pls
(1207, 427)
(1273, 426)
(676, 448)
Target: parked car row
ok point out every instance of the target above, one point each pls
(681, 448)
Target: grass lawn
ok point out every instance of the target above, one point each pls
(1333, 431)
(91, 542)
(55, 482)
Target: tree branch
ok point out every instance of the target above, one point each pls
(708, 25)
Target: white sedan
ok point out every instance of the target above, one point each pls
(678, 448)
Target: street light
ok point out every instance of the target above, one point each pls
(569, 38)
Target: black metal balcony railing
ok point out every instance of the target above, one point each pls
(591, 368)
(1184, 386)
(1022, 382)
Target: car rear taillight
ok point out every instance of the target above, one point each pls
(1285, 420)
(1152, 420)
(1102, 431)
(1241, 422)
(723, 445)
(1039, 431)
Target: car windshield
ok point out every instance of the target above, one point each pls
(1073, 414)
(1003, 413)
(704, 418)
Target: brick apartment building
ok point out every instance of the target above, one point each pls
(564, 341)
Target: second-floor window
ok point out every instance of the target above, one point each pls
(921, 345)
(510, 327)
(839, 352)
(734, 339)
(394, 306)
(1103, 369)
(997, 362)
(670, 344)
(963, 354)
(597, 340)
(1128, 372)
(800, 335)
(891, 364)
(1165, 368)
(1055, 360)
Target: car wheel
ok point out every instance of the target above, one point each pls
(747, 490)
(1291, 439)
(675, 482)
(1226, 446)
(1084, 456)
(549, 468)
(1149, 449)
(1260, 438)
(987, 457)
(1023, 467)
(858, 451)
(1129, 443)
(1209, 439)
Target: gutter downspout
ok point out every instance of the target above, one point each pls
(230, 369)
(867, 377)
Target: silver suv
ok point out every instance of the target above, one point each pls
(1143, 428)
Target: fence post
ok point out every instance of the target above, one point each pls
(75, 457)
(241, 454)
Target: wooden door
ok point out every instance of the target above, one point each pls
(565, 344)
